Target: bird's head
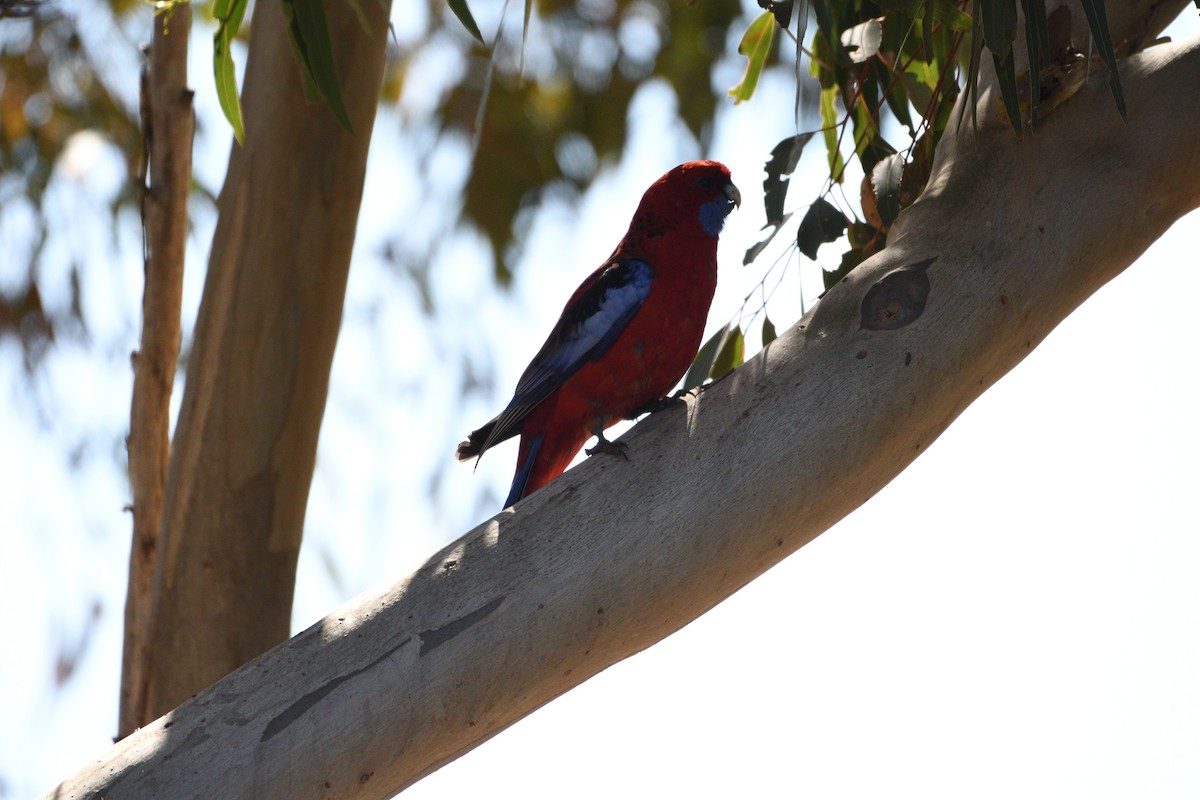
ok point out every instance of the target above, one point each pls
(700, 191)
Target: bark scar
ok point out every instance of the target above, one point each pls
(301, 706)
(435, 637)
(896, 299)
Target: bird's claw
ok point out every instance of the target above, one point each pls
(608, 448)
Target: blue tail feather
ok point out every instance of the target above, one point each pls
(522, 477)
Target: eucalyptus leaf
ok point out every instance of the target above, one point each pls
(768, 331)
(731, 355)
(756, 46)
(782, 9)
(850, 260)
(862, 41)
(1098, 23)
(1037, 43)
(823, 223)
(702, 364)
(885, 181)
(754, 251)
(463, 12)
(782, 163)
(228, 14)
(310, 39)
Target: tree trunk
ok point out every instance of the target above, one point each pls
(1009, 238)
(246, 440)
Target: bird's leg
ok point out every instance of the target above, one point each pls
(657, 405)
(608, 448)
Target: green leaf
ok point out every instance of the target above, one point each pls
(756, 46)
(829, 127)
(999, 31)
(1098, 22)
(1037, 43)
(731, 355)
(460, 9)
(944, 11)
(310, 40)
(823, 223)
(927, 23)
(972, 76)
(228, 14)
(702, 365)
(1006, 74)
(768, 331)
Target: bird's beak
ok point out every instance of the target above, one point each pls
(732, 194)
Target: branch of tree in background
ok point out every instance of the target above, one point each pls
(168, 125)
(245, 443)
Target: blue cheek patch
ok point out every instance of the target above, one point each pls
(713, 214)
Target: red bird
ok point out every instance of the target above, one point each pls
(626, 336)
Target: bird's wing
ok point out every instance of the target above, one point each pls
(591, 322)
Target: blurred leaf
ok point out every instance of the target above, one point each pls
(862, 41)
(801, 30)
(944, 11)
(524, 34)
(309, 34)
(756, 46)
(463, 12)
(572, 105)
(1098, 23)
(702, 364)
(823, 223)
(731, 355)
(228, 14)
(768, 331)
(784, 158)
(830, 127)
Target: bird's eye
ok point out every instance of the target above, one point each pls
(705, 182)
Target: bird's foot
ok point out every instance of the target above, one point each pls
(657, 405)
(608, 448)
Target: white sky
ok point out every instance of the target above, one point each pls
(1017, 614)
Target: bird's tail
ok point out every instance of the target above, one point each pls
(473, 446)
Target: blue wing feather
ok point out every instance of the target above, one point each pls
(586, 330)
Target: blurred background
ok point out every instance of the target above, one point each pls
(1017, 614)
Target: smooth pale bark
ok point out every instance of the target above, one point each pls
(616, 555)
(169, 123)
(258, 374)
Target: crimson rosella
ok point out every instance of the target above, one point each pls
(626, 336)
